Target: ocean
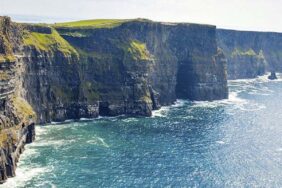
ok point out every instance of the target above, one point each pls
(235, 142)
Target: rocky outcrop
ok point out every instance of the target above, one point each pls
(272, 76)
(250, 54)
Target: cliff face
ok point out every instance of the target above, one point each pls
(129, 69)
(16, 115)
(54, 73)
(250, 54)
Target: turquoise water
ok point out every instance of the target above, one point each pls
(229, 143)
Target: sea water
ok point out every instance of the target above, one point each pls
(235, 142)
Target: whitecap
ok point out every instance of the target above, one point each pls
(98, 141)
(40, 130)
(179, 103)
(87, 119)
(53, 143)
(220, 142)
(259, 79)
(162, 112)
(25, 174)
(128, 120)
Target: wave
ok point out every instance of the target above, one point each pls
(220, 142)
(234, 101)
(131, 119)
(163, 111)
(98, 141)
(25, 171)
(259, 79)
(25, 174)
(52, 143)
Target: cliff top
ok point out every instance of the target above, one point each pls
(99, 23)
(111, 23)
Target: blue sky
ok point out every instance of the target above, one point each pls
(261, 15)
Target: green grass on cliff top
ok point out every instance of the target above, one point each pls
(99, 23)
(49, 42)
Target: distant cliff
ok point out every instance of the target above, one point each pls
(119, 67)
(250, 54)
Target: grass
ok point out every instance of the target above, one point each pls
(9, 136)
(238, 52)
(3, 138)
(4, 76)
(49, 42)
(7, 58)
(23, 108)
(139, 51)
(99, 23)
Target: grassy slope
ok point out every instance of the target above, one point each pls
(49, 42)
(99, 23)
(139, 51)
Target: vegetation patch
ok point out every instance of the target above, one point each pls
(238, 52)
(146, 99)
(4, 76)
(8, 136)
(49, 42)
(99, 23)
(138, 51)
(23, 108)
(7, 58)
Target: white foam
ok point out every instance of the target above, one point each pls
(98, 141)
(220, 142)
(40, 130)
(127, 120)
(162, 112)
(259, 79)
(86, 119)
(23, 175)
(234, 100)
(53, 143)
(179, 103)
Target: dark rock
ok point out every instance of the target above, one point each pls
(272, 76)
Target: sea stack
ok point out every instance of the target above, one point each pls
(272, 76)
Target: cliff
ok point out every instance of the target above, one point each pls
(16, 115)
(99, 67)
(116, 67)
(250, 54)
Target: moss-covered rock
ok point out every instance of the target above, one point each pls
(49, 42)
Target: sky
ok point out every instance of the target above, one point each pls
(257, 15)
